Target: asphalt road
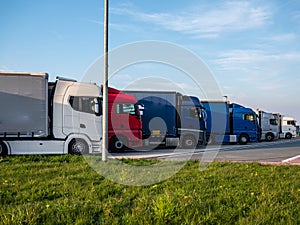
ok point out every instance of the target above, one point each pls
(266, 152)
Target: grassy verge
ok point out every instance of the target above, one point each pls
(65, 190)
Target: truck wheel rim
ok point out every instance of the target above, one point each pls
(119, 144)
(244, 139)
(78, 148)
(189, 142)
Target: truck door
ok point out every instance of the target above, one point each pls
(246, 123)
(81, 116)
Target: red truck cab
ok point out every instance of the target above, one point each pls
(124, 121)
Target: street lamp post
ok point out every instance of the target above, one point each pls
(105, 86)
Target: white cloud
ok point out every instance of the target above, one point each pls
(95, 21)
(251, 59)
(203, 22)
(283, 37)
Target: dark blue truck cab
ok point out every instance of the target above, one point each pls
(171, 119)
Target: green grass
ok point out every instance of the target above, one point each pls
(66, 190)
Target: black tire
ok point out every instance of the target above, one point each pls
(189, 142)
(78, 147)
(288, 136)
(3, 149)
(244, 139)
(269, 137)
(117, 144)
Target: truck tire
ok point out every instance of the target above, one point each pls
(3, 149)
(243, 140)
(78, 147)
(288, 136)
(117, 144)
(269, 137)
(189, 142)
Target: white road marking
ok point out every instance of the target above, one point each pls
(291, 159)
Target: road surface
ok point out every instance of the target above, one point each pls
(278, 152)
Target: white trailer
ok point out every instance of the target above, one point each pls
(41, 117)
(269, 126)
(287, 126)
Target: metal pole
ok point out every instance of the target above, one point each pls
(105, 86)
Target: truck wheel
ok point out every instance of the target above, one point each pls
(3, 149)
(78, 147)
(243, 140)
(189, 142)
(117, 144)
(269, 137)
(288, 136)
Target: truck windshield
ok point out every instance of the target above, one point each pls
(291, 122)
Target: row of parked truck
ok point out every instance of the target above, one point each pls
(65, 116)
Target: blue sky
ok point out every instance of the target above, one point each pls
(251, 47)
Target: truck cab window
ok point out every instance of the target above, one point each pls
(273, 122)
(126, 109)
(249, 117)
(86, 104)
(74, 102)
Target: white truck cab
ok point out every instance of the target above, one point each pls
(287, 126)
(268, 124)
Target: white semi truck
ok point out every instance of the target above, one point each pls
(287, 126)
(42, 117)
(268, 124)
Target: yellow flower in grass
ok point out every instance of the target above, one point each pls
(154, 186)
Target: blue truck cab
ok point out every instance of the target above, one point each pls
(230, 123)
(171, 119)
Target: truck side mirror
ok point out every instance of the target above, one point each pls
(137, 111)
(141, 108)
(194, 113)
(97, 106)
